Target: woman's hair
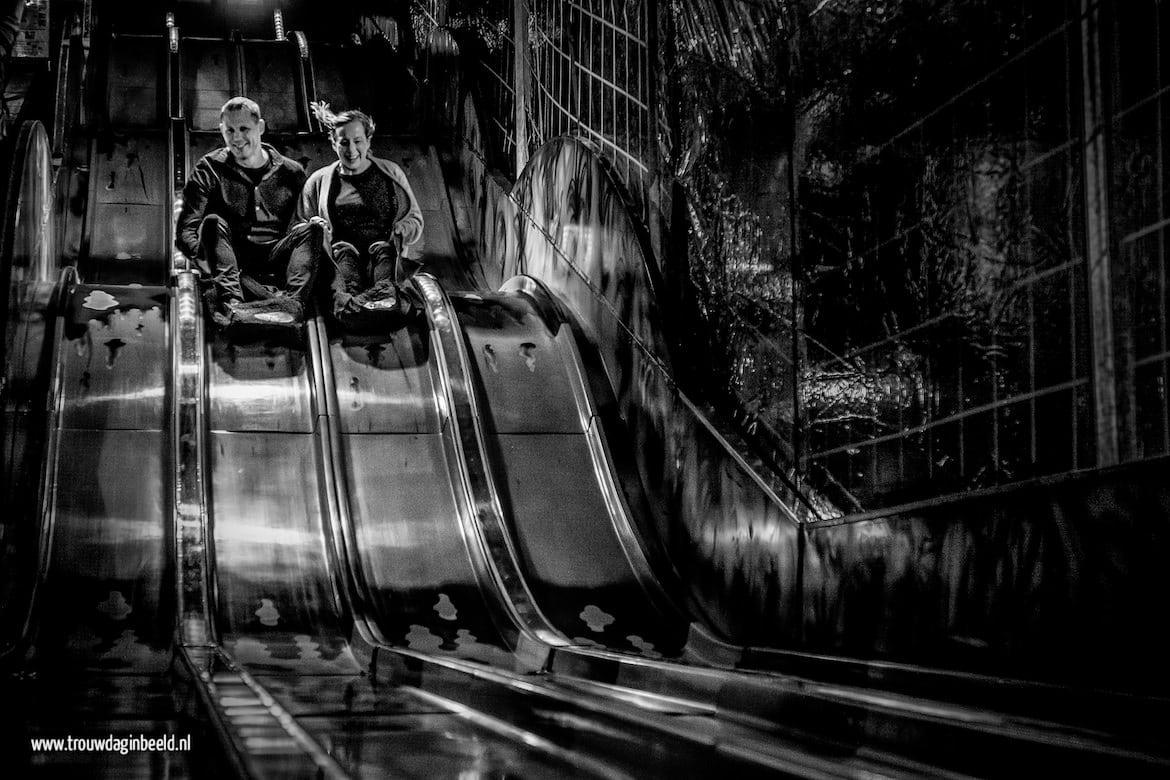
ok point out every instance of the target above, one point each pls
(332, 121)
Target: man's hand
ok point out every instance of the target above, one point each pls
(398, 237)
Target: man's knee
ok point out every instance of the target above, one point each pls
(214, 224)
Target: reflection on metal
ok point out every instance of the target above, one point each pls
(395, 504)
(193, 555)
(489, 532)
(70, 63)
(42, 516)
(258, 386)
(99, 590)
(347, 575)
(721, 533)
(259, 734)
(275, 583)
(612, 554)
(302, 44)
(513, 733)
(29, 250)
(116, 379)
(31, 286)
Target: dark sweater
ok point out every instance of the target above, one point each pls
(259, 214)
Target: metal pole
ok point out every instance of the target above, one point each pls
(1097, 250)
(521, 77)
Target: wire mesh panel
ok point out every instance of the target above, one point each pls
(495, 74)
(591, 66)
(946, 297)
(1139, 190)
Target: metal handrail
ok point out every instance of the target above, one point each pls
(496, 543)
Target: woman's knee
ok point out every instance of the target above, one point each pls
(344, 249)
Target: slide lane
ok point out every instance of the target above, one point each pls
(567, 520)
(97, 655)
(283, 610)
(410, 524)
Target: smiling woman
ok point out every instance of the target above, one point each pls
(370, 212)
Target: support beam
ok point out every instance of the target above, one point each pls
(521, 80)
(1097, 250)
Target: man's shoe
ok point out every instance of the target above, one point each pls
(280, 310)
(383, 299)
(227, 313)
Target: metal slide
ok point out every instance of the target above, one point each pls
(281, 605)
(88, 606)
(95, 652)
(406, 554)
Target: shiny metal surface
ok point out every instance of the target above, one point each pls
(483, 526)
(189, 446)
(104, 602)
(520, 365)
(114, 379)
(441, 745)
(417, 580)
(103, 494)
(734, 545)
(722, 537)
(28, 331)
(425, 591)
(573, 562)
(129, 218)
(30, 238)
(258, 387)
(259, 737)
(385, 386)
(340, 696)
(29, 278)
(102, 597)
(558, 498)
(97, 640)
(281, 615)
(276, 602)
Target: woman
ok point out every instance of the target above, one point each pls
(370, 214)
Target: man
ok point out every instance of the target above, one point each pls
(234, 223)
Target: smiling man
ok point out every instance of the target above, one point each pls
(234, 223)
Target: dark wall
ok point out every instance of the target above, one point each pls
(1059, 581)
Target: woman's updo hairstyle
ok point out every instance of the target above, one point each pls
(331, 121)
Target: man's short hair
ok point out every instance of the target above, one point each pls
(241, 104)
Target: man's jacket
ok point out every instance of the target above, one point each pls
(217, 185)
